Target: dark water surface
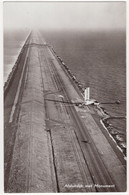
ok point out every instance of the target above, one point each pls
(97, 59)
(13, 42)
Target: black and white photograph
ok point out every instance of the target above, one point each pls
(64, 104)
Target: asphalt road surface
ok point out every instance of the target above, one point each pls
(51, 146)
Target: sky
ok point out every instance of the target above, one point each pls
(65, 15)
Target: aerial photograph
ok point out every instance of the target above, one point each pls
(64, 77)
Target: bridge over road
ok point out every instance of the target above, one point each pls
(51, 146)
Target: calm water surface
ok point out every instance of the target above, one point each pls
(97, 59)
(13, 42)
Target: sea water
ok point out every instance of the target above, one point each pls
(97, 59)
(13, 42)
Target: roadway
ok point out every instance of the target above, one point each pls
(50, 145)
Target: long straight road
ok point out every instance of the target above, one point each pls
(51, 146)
